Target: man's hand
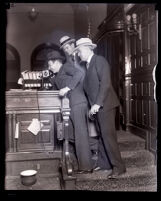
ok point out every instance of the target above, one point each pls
(63, 91)
(94, 109)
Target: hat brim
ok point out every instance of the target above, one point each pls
(89, 45)
(69, 41)
(56, 58)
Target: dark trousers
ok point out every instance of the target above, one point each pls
(93, 135)
(109, 155)
(81, 136)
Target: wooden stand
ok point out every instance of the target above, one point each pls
(42, 152)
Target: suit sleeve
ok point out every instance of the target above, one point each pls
(74, 77)
(61, 80)
(69, 77)
(104, 75)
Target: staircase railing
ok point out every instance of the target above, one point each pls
(66, 157)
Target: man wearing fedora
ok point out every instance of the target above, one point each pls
(69, 80)
(103, 101)
(67, 44)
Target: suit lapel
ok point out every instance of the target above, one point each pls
(88, 72)
(91, 64)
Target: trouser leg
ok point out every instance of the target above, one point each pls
(103, 158)
(106, 120)
(83, 152)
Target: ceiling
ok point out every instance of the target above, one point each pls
(96, 11)
(61, 8)
(41, 7)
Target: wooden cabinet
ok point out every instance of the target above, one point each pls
(22, 146)
(21, 108)
(44, 140)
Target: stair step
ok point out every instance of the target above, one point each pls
(140, 175)
(130, 142)
(137, 184)
(138, 159)
(130, 173)
(131, 145)
(127, 136)
(141, 171)
(138, 180)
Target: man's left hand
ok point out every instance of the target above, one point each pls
(63, 91)
(94, 109)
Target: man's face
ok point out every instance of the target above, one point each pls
(68, 48)
(84, 52)
(54, 66)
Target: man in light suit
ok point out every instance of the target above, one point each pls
(103, 101)
(69, 80)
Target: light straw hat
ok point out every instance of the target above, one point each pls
(84, 42)
(65, 40)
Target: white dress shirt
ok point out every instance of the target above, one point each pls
(89, 59)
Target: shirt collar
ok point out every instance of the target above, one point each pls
(90, 57)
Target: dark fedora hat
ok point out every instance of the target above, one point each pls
(54, 55)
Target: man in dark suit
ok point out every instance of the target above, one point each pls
(67, 44)
(69, 80)
(103, 102)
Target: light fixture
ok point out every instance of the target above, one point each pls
(133, 27)
(33, 14)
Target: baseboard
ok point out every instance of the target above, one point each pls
(137, 131)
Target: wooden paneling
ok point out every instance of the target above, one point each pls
(143, 59)
(110, 44)
(24, 106)
(45, 138)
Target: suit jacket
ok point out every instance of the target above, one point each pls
(72, 77)
(97, 84)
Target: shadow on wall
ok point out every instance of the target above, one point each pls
(55, 36)
(12, 67)
(39, 55)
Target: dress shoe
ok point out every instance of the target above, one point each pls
(97, 168)
(106, 171)
(84, 171)
(116, 173)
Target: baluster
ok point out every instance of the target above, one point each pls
(66, 153)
